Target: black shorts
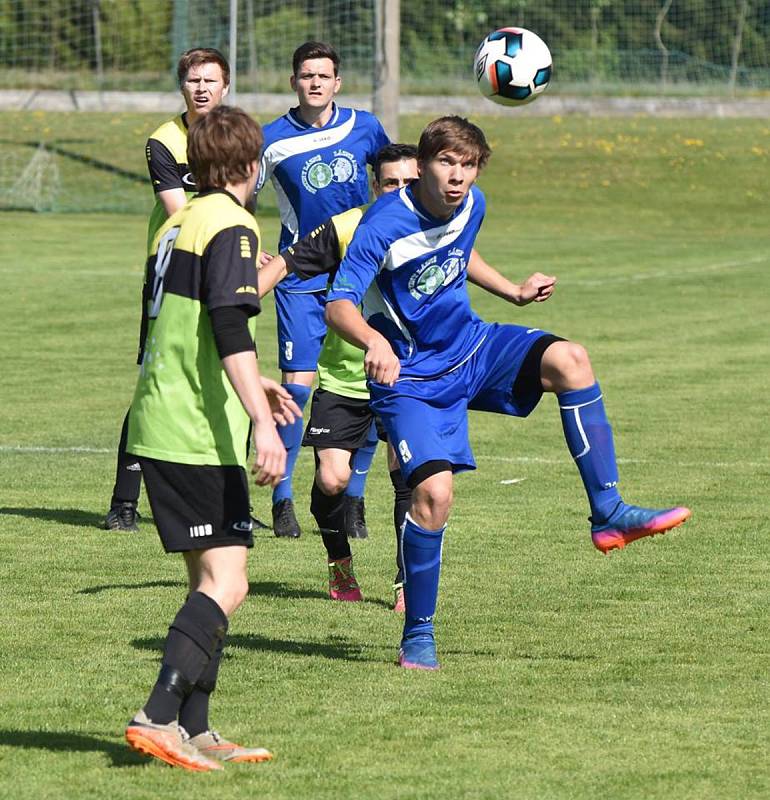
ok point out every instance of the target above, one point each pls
(339, 422)
(198, 507)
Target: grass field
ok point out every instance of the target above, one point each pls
(565, 674)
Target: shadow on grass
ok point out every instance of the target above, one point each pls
(120, 754)
(336, 648)
(67, 516)
(107, 587)
(274, 589)
(64, 516)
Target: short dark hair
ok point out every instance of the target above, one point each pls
(456, 134)
(391, 153)
(310, 50)
(201, 55)
(222, 146)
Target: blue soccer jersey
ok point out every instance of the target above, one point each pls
(318, 172)
(409, 270)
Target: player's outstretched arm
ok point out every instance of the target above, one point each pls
(270, 274)
(537, 287)
(380, 362)
(269, 452)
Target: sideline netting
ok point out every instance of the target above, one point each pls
(653, 48)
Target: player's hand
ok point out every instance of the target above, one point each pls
(264, 258)
(537, 288)
(269, 454)
(380, 362)
(282, 406)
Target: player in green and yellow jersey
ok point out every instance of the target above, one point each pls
(204, 80)
(199, 389)
(340, 417)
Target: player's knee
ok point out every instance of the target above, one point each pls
(431, 504)
(566, 366)
(232, 593)
(332, 481)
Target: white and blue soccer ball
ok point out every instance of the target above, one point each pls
(512, 66)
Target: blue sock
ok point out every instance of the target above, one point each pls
(291, 436)
(422, 567)
(362, 460)
(589, 438)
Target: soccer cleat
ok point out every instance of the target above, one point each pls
(629, 523)
(355, 521)
(122, 517)
(399, 604)
(257, 523)
(342, 582)
(418, 652)
(212, 745)
(169, 743)
(285, 523)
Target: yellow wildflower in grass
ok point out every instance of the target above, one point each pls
(693, 142)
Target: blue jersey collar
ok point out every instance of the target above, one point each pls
(407, 195)
(296, 120)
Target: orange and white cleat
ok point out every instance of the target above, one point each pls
(211, 745)
(169, 743)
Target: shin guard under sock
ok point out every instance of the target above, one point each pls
(589, 438)
(402, 500)
(193, 638)
(422, 567)
(362, 460)
(291, 436)
(329, 513)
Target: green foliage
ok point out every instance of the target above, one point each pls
(566, 675)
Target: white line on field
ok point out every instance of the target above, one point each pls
(665, 274)
(17, 448)
(557, 461)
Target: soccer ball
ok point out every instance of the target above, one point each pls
(512, 66)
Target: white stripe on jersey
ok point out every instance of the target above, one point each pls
(314, 139)
(423, 243)
(375, 303)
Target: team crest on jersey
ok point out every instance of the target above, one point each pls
(317, 174)
(431, 275)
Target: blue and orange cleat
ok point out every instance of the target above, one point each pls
(418, 652)
(629, 523)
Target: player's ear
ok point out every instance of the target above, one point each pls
(225, 90)
(293, 83)
(337, 84)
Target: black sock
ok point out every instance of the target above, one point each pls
(193, 638)
(402, 501)
(194, 712)
(128, 473)
(329, 513)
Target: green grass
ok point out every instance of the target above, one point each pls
(566, 674)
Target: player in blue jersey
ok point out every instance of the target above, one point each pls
(430, 358)
(316, 156)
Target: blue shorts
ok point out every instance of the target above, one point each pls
(427, 420)
(301, 329)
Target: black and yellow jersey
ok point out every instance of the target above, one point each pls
(166, 152)
(340, 364)
(185, 410)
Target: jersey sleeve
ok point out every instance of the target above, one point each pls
(163, 168)
(359, 267)
(380, 139)
(318, 253)
(229, 270)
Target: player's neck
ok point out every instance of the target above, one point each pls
(431, 205)
(241, 191)
(315, 117)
